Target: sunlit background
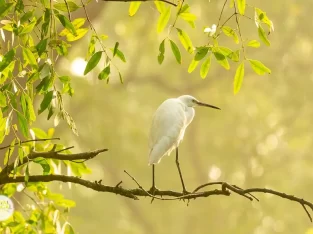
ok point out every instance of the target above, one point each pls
(261, 138)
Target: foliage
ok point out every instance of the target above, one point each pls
(37, 34)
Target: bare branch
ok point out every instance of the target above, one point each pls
(173, 195)
(130, 193)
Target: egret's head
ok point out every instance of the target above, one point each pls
(191, 101)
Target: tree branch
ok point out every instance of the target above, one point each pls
(52, 155)
(226, 189)
(165, 1)
(130, 193)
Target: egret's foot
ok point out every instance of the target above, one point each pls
(185, 192)
(152, 190)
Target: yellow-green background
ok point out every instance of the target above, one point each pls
(263, 137)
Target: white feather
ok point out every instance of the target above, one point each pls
(168, 127)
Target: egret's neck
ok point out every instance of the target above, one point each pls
(190, 113)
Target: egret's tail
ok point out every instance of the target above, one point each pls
(162, 148)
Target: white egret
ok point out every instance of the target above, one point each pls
(168, 128)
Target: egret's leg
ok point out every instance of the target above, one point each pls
(153, 189)
(180, 174)
(153, 183)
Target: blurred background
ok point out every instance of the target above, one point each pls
(263, 137)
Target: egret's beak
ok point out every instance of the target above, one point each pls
(207, 105)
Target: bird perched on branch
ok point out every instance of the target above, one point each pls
(168, 128)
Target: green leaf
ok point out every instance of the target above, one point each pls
(28, 28)
(234, 56)
(23, 104)
(120, 55)
(27, 16)
(239, 77)
(39, 133)
(259, 67)
(241, 6)
(262, 17)
(192, 66)
(254, 43)
(115, 48)
(7, 59)
(45, 102)
(201, 53)
(160, 6)
(133, 8)
(222, 60)
(184, 9)
(68, 229)
(19, 7)
(5, 8)
(3, 100)
(79, 34)
(44, 164)
(93, 61)
(104, 74)
(9, 152)
(162, 47)
(91, 46)
(163, 19)
(30, 108)
(228, 31)
(205, 67)
(185, 40)
(175, 51)
(77, 23)
(65, 79)
(22, 124)
(67, 24)
(188, 17)
(121, 78)
(29, 57)
(263, 36)
(72, 6)
(41, 46)
(162, 51)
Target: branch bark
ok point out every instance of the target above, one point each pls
(225, 190)
(52, 155)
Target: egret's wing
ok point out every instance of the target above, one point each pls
(167, 124)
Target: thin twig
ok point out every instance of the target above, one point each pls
(178, 196)
(62, 150)
(23, 142)
(219, 19)
(307, 212)
(238, 26)
(68, 10)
